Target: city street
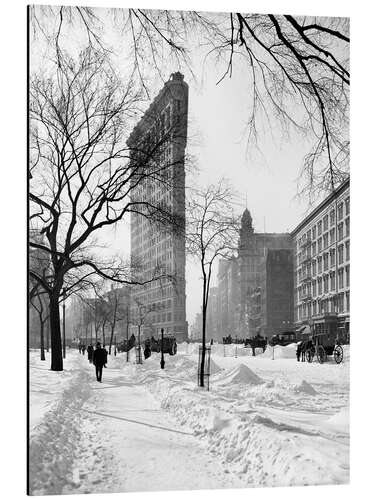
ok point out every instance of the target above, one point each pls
(263, 422)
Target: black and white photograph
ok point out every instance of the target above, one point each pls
(188, 227)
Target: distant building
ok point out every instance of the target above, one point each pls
(276, 293)
(212, 314)
(161, 304)
(322, 265)
(244, 288)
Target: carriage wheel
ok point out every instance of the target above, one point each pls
(338, 354)
(309, 355)
(321, 354)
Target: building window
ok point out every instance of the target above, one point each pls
(347, 273)
(319, 228)
(341, 254)
(347, 226)
(332, 257)
(340, 212)
(347, 206)
(325, 262)
(340, 231)
(314, 307)
(325, 283)
(347, 250)
(314, 232)
(333, 277)
(332, 217)
(348, 301)
(325, 240)
(319, 264)
(341, 278)
(313, 248)
(319, 286)
(332, 236)
(319, 245)
(341, 302)
(325, 223)
(314, 267)
(314, 288)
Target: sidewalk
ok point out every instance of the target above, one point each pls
(129, 443)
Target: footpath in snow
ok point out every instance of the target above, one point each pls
(264, 422)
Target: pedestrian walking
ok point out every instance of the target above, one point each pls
(99, 360)
(83, 349)
(90, 352)
(79, 348)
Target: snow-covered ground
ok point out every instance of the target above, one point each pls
(266, 421)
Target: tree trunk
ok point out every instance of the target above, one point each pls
(103, 333)
(56, 348)
(201, 381)
(42, 355)
(111, 339)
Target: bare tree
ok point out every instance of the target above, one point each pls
(297, 67)
(211, 232)
(83, 176)
(38, 302)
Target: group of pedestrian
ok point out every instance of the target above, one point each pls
(81, 348)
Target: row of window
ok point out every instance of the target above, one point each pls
(325, 284)
(324, 262)
(328, 220)
(308, 310)
(325, 241)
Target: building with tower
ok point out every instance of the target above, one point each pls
(161, 303)
(255, 291)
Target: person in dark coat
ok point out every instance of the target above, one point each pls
(99, 359)
(90, 352)
(147, 351)
(83, 349)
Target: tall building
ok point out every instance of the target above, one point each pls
(161, 303)
(322, 265)
(252, 255)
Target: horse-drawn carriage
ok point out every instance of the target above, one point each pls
(126, 345)
(283, 339)
(321, 346)
(256, 342)
(169, 344)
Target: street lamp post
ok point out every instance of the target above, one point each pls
(64, 348)
(162, 362)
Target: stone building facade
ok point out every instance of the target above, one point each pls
(322, 265)
(162, 304)
(245, 292)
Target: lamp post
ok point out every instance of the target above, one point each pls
(127, 334)
(64, 348)
(162, 362)
(139, 357)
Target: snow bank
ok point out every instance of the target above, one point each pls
(280, 352)
(240, 374)
(305, 388)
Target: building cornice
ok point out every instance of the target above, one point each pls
(321, 206)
